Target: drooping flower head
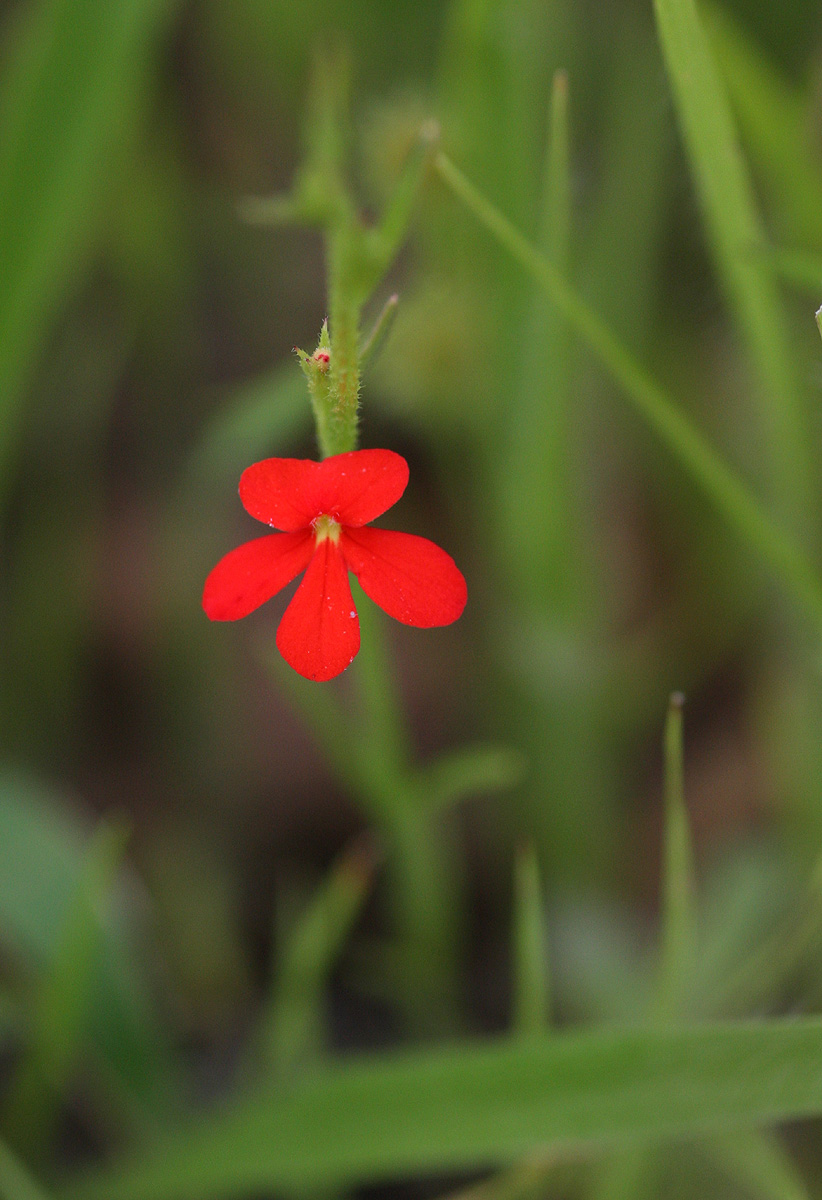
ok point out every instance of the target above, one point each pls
(323, 510)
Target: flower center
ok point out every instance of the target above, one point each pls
(326, 527)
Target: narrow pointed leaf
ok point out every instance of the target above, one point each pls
(471, 1106)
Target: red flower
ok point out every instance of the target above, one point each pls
(323, 509)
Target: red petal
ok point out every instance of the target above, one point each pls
(255, 572)
(412, 579)
(289, 493)
(365, 483)
(320, 631)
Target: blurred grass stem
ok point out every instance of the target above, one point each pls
(531, 1007)
(677, 917)
(16, 1183)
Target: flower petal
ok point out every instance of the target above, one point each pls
(320, 631)
(279, 491)
(255, 572)
(290, 493)
(365, 483)
(409, 577)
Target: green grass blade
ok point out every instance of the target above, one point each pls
(531, 1007)
(527, 1180)
(16, 1183)
(375, 340)
(537, 458)
(734, 227)
(61, 1001)
(729, 494)
(759, 1161)
(769, 966)
(475, 1105)
(472, 770)
(678, 919)
(71, 92)
(802, 268)
(773, 115)
(42, 844)
(293, 1027)
(622, 238)
(383, 242)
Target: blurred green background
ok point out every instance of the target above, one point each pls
(146, 333)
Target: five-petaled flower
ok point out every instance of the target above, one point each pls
(323, 509)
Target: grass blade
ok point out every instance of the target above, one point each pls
(773, 117)
(678, 928)
(531, 1008)
(537, 458)
(15, 1181)
(41, 855)
(70, 94)
(469, 771)
(293, 1026)
(471, 1106)
(760, 1162)
(734, 228)
(61, 1002)
(730, 495)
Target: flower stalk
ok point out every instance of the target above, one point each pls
(357, 256)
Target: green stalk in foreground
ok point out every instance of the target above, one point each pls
(730, 495)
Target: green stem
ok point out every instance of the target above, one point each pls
(368, 753)
(426, 903)
(344, 305)
(425, 914)
(729, 494)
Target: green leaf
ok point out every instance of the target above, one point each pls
(472, 1106)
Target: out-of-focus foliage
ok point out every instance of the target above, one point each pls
(533, 860)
